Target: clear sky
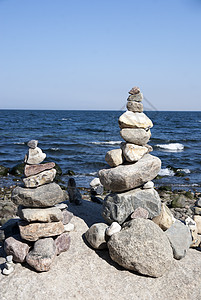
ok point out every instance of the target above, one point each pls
(87, 54)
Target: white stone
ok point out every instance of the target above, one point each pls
(9, 258)
(69, 227)
(95, 182)
(133, 152)
(113, 228)
(114, 157)
(148, 185)
(7, 272)
(35, 156)
(134, 120)
(191, 223)
(61, 206)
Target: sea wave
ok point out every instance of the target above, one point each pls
(172, 147)
(107, 143)
(55, 149)
(19, 143)
(166, 172)
(187, 171)
(66, 119)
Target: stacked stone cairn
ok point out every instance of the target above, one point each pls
(44, 220)
(141, 233)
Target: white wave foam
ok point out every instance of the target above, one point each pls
(199, 121)
(107, 143)
(55, 149)
(172, 147)
(187, 171)
(66, 119)
(166, 172)
(19, 143)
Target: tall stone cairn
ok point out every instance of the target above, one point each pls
(132, 167)
(43, 217)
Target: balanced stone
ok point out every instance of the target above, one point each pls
(34, 231)
(62, 243)
(165, 219)
(95, 236)
(130, 119)
(43, 196)
(148, 185)
(42, 255)
(17, 248)
(137, 97)
(114, 157)
(134, 106)
(118, 207)
(135, 90)
(35, 156)
(140, 213)
(32, 144)
(197, 219)
(113, 228)
(66, 216)
(138, 136)
(127, 177)
(51, 214)
(30, 170)
(143, 247)
(133, 153)
(40, 179)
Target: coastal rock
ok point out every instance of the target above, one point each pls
(42, 255)
(61, 206)
(149, 147)
(165, 219)
(31, 170)
(113, 228)
(136, 97)
(148, 185)
(96, 187)
(114, 157)
(3, 171)
(34, 231)
(198, 202)
(69, 227)
(194, 232)
(133, 153)
(140, 213)
(134, 106)
(197, 210)
(73, 192)
(130, 176)
(40, 179)
(143, 247)
(95, 182)
(130, 119)
(35, 156)
(137, 136)
(179, 201)
(62, 243)
(135, 90)
(32, 144)
(95, 236)
(17, 248)
(66, 216)
(197, 219)
(180, 239)
(44, 196)
(119, 206)
(50, 214)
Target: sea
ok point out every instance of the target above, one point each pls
(78, 141)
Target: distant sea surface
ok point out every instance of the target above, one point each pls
(79, 140)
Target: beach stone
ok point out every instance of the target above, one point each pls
(66, 216)
(135, 90)
(194, 232)
(134, 106)
(62, 243)
(32, 144)
(34, 156)
(118, 207)
(180, 239)
(69, 227)
(42, 255)
(61, 206)
(34, 231)
(137, 136)
(95, 236)
(96, 188)
(130, 119)
(149, 147)
(198, 202)
(3, 171)
(133, 153)
(148, 185)
(30, 170)
(143, 247)
(43, 196)
(130, 176)
(40, 179)
(137, 97)
(197, 210)
(50, 214)
(197, 219)
(165, 219)
(73, 192)
(113, 228)
(114, 157)
(179, 201)
(140, 213)
(17, 248)
(8, 271)
(95, 182)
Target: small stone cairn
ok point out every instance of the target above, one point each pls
(142, 235)
(44, 223)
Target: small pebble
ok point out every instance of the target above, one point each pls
(148, 185)
(69, 227)
(61, 206)
(7, 272)
(113, 228)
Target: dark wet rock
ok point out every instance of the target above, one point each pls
(3, 171)
(73, 192)
(18, 170)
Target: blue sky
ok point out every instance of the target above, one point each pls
(81, 54)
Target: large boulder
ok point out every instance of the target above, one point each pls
(143, 247)
(138, 136)
(129, 176)
(43, 196)
(119, 206)
(130, 119)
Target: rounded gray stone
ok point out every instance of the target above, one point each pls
(95, 235)
(138, 136)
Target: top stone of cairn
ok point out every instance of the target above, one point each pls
(135, 90)
(32, 144)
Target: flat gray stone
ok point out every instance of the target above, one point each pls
(42, 196)
(118, 207)
(138, 136)
(30, 170)
(127, 177)
(134, 106)
(40, 179)
(130, 119)
(180, 239)
(50, 214)
(143, 247)
(135, 97)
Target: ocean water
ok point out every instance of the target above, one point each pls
(79, 140)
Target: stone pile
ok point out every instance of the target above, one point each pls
(44, 221)
(142, 235)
